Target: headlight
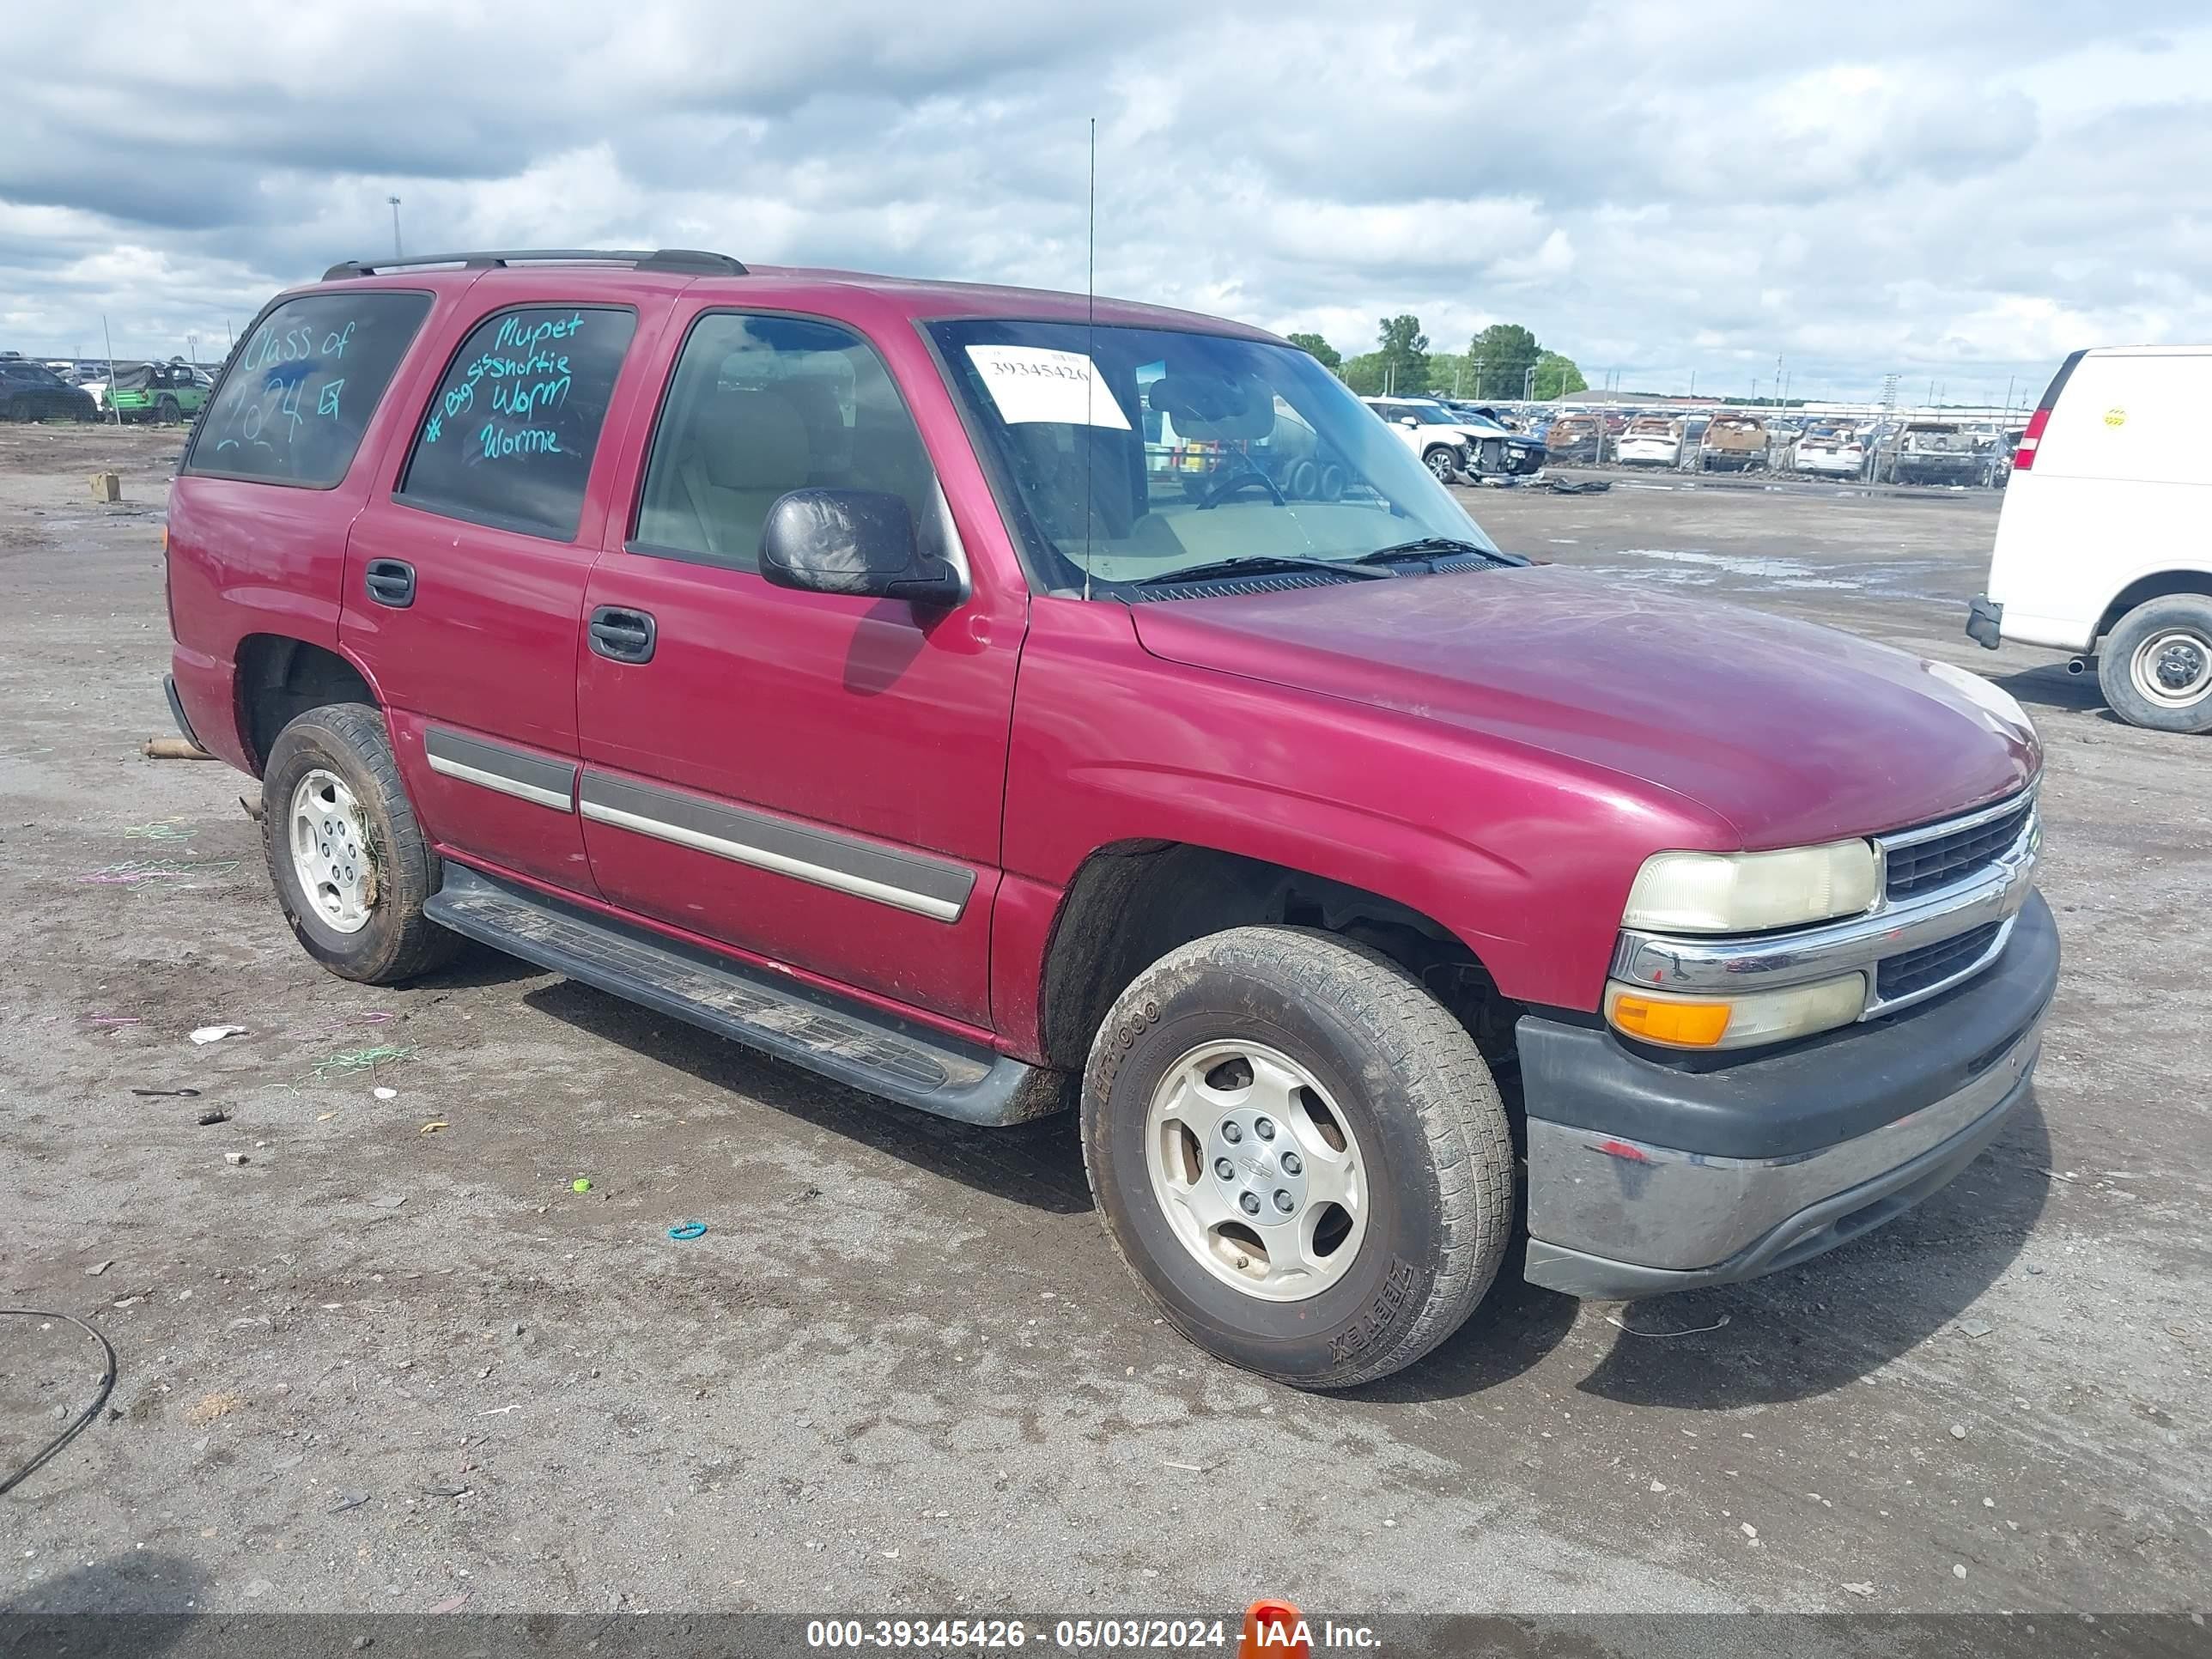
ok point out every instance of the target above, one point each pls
(1751, 892)
(1683, 1022)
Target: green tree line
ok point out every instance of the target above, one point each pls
(1495, 364)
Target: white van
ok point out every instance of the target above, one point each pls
(2105, 543)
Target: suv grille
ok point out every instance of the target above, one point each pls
(1912, 971)
(1936, 862)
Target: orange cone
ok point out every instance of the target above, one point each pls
(1270, 1633)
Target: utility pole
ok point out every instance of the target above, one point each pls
(396, 253)
(109, 340)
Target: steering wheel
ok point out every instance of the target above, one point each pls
(1222, 491)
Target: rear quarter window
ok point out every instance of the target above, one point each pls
(508, 437)
(298, 396)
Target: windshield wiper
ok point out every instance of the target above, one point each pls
(1253, 564)
(1430, 547)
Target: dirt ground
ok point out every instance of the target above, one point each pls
(380, 1366)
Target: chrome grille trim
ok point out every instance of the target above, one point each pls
(1992, 894)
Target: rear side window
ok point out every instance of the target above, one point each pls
(509, 436)
(298, 394)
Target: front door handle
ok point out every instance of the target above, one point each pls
(621, 634)
(390, 581)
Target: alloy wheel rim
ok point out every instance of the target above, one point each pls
(325, 829)
(1258, 1172)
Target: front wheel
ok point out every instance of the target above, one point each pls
(1299, 1154)
(2155, 666)
(167, 411)
(351, 865)
(1440, 462)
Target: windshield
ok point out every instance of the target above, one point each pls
(1140, 452)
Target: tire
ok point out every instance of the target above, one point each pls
(1420, 1119)
(166, 411)
(2155, 666)
(347, 742)
(1439, 459)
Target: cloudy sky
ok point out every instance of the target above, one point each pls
(1955, 191)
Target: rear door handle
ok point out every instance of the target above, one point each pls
(390, 581)
(621, 634)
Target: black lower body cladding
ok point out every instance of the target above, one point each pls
(1648, 1175)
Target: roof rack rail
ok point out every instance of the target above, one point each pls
(667, 258)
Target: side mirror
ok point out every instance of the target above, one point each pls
(1409, 420)
(853, 541)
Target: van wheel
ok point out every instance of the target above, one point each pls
(2155, 667)
(1298, 1153)
(350, 864)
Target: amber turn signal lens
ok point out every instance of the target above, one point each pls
(1678, 1025)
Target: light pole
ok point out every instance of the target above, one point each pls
(394, 200)
(1528, 385)
(1478, 379)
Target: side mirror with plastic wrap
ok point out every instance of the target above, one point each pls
(854, 541)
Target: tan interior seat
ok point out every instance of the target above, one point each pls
(747, 449)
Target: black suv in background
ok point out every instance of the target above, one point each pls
(32, 392)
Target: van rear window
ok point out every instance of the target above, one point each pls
(297, 397)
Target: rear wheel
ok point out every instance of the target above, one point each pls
(2155, 666)
(1299, 1153)
(166, 410)
(350, 864)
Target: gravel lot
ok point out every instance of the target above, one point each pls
(381, 1367)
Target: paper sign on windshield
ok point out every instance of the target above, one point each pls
(1033, 383)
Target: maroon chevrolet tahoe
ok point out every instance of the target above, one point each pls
(858, 668)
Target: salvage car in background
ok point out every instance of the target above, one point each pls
(167, 392)
(32, 392)
(1831, 454)
(1429, 430)
(1580, 439)
(1651, 441)
(2100, 545)
(1732, 443)
(1494, 450)
(1927, 452)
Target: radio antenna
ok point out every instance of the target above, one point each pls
(1090, 348)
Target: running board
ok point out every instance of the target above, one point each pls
(855, 1045)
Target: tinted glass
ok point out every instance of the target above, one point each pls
(302, 388)
(509, 436)
(761, 406)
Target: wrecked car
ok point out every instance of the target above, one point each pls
(1732, 443)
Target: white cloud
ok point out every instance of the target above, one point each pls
(1963, 191)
